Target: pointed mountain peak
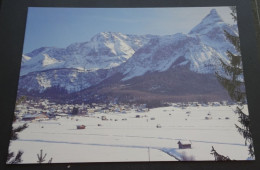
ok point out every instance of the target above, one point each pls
(99, 35)
(213, 11)
(214, 16)
(210, 20)
(104, 36)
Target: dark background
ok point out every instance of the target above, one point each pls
(12, 28)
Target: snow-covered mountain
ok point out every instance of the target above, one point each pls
(82, 65)
(104, 50)
(201, 48)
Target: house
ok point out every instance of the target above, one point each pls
(104, 118)
(208, 118)
(205, 104)
(184, 144)
(81, 126)
(215, 104)
(30, 117)
(194, 104)
(91, 110)
(61, 115)
(224, 102)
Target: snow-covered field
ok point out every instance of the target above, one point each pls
(123, 137)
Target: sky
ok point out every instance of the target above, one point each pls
(60, 27)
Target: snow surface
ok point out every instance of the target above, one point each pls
(48, 60)
(134, 139)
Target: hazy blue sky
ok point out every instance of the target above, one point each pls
(59, 27)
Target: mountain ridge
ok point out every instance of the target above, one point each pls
(107, 47)
(132, 57)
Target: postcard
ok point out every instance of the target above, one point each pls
(131, 85)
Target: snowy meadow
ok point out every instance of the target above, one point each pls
(134, 136)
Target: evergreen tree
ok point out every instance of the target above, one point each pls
(14, 132)
(41, 157)
(14, 160)
(219, 157)
(233, 82)
(75, 111)
(11, 158)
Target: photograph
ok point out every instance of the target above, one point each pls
(131, 85)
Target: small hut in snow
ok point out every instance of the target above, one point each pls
(184, 144)
(104, 118)
(81, 126)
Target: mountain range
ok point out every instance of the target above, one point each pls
(133, 67)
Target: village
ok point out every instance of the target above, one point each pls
(44, 109)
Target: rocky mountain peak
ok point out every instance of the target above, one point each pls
(211, 20)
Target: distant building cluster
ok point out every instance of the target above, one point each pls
(44, 109)
(203, 104)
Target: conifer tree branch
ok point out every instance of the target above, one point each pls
(17, 159)
(233, 83)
